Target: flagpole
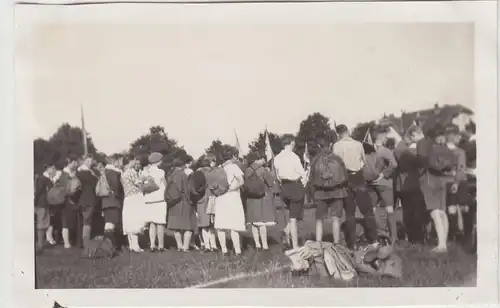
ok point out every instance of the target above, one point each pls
(84, 133)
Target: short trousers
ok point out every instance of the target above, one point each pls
(112, 215)
(42, 216)
(71, 216)
(293, 197)
(462, 196)
(329, 207)
(384, 195)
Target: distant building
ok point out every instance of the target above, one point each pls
(459, 115)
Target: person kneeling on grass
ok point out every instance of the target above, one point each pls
(260, 210)
(328, 179)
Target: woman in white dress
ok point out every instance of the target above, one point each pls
(229, 214)
(156, 207)
(133, 204)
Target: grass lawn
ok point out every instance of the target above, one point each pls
(60, 268)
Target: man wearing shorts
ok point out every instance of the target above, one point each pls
(330, 202)
(293, 179)
(42, 215)
(88, 199)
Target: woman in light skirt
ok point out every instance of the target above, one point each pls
(134, 220)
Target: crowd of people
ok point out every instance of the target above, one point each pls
(423, 173)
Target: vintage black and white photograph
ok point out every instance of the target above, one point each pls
(253, 155)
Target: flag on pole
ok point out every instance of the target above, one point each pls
(84, 133)
(237, 143)
(307, 160)
(368, 137)
(269, 149)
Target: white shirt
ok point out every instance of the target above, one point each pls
(288, 166)
(159, 177)
(352, 153)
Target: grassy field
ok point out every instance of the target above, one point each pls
(60, 268)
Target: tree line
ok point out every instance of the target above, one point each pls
(67, 141)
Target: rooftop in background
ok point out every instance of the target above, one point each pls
(427, 117)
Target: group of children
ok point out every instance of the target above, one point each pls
(223, 196)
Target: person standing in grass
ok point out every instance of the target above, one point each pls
(293, 179)
(134, 204)
(353, 154)
(440, 162)
(87, 200)
(112, 204)
(407, 184)
(260, 210)
(205, 216)
(331, 199)
(381, 188)
(229, 211)
(156, 207)
(458, 191)
(181, 213)
(70, 208)
(42, 186)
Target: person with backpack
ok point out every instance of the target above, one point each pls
(439, 164)
(133, 218)
(70, 208)
(260, 210)
(229, 213)
(113, 202)
(42, 207)
(205, 217)
(87, 200)
(181, 210)
(328, 178)
(352, 154)
(407, 184)
(458, 187)
(379, 169)
(293, 179)
(156, 208)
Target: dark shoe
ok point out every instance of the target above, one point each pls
(161, 249)
(153, 250)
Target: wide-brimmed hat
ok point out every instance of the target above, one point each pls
(155, 157)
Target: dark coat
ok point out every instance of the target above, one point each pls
(88, 180)
(409, 169)
(115, 200)
(42, 186)
(181, 216)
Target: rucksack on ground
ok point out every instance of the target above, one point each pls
(329, 172)
(340, 262)
(102, 188)
(255, 185)
(197, 184)
(370, 170)
(218, 182)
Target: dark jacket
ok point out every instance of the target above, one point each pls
(42, 186)
(319, 194)
(409, 169)
(88, 181)
(114, 181)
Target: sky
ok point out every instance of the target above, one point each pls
(202, 82)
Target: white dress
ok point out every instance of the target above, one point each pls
(133, 205)
(229, 214)
(155, 210)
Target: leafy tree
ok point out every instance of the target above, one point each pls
(217, 148)
(359, 131)
(314, 126)
(156, 140)
(67, 140)
(259, 144)
(43, 154)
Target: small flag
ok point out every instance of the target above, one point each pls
(269, 150)
(368, 137)
(307, 161)
(84, 133)
(237, 145)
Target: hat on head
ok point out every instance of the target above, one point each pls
(155, 157)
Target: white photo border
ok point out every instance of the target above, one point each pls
(481, 13)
